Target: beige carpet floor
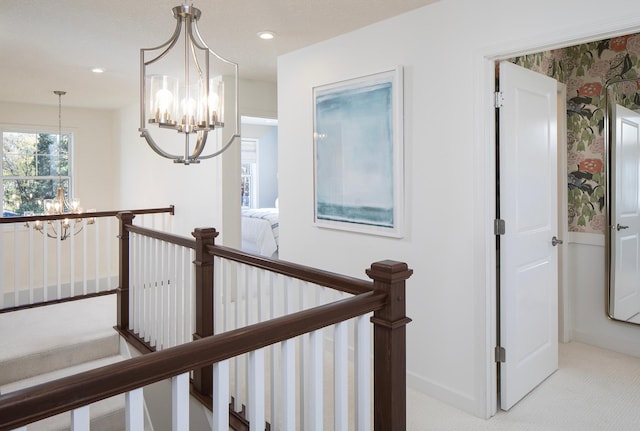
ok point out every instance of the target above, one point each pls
(593, 390)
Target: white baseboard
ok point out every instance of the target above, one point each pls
(447, 395)
(617, 344)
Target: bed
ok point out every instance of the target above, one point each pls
(260, 231)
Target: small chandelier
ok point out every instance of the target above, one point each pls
(184, 91)
(60, 204)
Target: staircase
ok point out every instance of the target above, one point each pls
(46, 343)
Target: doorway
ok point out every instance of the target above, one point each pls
(584, 176)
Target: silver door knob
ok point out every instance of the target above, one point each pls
(620, 227)
(555, 241)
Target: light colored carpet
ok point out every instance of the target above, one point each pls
(593, 390)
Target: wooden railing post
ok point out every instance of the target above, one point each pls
(123, 270)
(389, 347)
(203, 377)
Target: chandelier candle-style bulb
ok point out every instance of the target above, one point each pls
(163, 100)
(182, 88)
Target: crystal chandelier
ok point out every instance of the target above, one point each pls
(60, 205)
(183, 90)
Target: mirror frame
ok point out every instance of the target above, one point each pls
(608, 160)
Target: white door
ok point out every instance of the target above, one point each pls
(625, 213)
(528, 206)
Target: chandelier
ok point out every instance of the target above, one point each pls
(60, 205)
(183, 90)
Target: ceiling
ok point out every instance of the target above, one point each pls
(50, 45)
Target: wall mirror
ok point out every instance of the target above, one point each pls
(623, 246)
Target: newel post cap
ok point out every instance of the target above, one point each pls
(204, 233)
(389, 271)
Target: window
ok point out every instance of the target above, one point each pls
(34, 165)
(249, 172)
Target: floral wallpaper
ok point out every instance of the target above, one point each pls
(586, 70)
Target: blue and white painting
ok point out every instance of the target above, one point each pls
(354, 151)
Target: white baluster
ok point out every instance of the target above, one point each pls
(255, 384)
(139, 284)
(191, 291)
(59, 260)
(273, 279)
(363, 373)
(180, 402)
(146, 262)
(340, 378)
(134, 410)
(84, 261)
(153, 279)
(288, 384)
(180, 303)
(72, 262)
(218, 297)
(303, 355)
(172, 289)
(45, 263)
(228, 282)
(80, 419)
(221, 396)
(168, 303)
(316, 382)
(133, 283)
(31, 266)
(16, 269)
(238, 360)
(96, 229)
(108, 240)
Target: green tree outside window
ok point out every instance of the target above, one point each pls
(34, 165)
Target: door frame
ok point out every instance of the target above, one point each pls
(485, 127)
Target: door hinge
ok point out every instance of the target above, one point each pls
(499, 99)
(499, 227)
(501, 354)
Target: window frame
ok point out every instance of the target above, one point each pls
(36, 129)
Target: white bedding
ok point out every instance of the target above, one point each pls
(260, 231)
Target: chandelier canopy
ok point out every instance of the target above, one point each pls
(182, 89)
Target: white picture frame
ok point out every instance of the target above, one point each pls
(359, 154)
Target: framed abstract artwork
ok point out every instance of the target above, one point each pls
(359, 157)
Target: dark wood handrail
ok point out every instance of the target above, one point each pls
(94, 214)
(167, 237)
(339, 282)
(332, 280)
(28, 405)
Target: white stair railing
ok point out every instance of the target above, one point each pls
(39, 265)
(268, 385)
(161, 291)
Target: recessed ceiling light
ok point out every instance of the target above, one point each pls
(97, 70)
(266, 35)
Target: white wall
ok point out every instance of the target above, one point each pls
(257, 98)
(449, 167)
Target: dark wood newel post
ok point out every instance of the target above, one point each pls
(126, 218)
(203, 377)
(390, 347)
